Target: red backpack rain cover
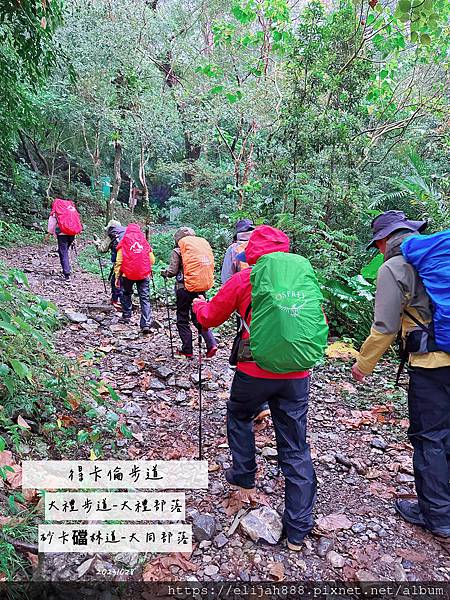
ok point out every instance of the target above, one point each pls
(66, 214)
(135, 252)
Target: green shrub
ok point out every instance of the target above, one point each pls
(27, 368)
(12, 234)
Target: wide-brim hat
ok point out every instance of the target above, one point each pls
(390, 221)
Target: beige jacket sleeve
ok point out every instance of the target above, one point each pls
(373, 349)
(390, 300)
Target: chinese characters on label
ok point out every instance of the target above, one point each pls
(121, 506)
(115, 538)
(123, 503)
(111, 474)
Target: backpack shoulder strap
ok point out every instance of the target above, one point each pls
(244, 320)
(417, 322)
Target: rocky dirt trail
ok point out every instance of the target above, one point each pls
(357, 435)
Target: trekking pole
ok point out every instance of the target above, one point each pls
(75, 252)
(200, 447)
(103, 275)
(154, 292)
(168, 318)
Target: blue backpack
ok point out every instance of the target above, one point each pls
(430, 255)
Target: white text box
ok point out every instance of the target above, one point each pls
(115, 538)
(111, 474)
(117, 506)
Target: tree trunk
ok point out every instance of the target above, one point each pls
(130, 190)
(117, 181)
(40, 156)
(28, 153)
(143, 179)
(208, 35)
(192, 151)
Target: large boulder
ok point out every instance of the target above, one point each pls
(263, 524)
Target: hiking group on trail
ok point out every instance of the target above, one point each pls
(282, 334)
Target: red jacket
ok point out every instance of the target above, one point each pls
(235, 296)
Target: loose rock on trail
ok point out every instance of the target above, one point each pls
(358, 443)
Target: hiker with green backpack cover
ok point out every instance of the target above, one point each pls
(284, 335)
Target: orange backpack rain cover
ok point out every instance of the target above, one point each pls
(198, 263)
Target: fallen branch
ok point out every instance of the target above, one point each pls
(22, 546)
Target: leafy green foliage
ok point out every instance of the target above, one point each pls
(27, 371)
(419, 191)
(304, 118)
(35, 381)
(26, 56)
(370, 271)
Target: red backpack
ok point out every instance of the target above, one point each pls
(135, 254)
(66, 214)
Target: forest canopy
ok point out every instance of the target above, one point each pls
(312, 117)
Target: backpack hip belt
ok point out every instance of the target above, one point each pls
(418, 341)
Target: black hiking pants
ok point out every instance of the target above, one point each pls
(288, 402)
(184, 313)
(64, 244)
(429, 433)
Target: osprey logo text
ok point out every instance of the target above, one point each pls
(136, 248)
(290, 294)
(294, 310)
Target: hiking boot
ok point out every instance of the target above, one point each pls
(211, 352)
(125, 320)
(442, 532)
(67, 277)
(262, 415)
(294, 547)
(145, 330)
(410, 511)
(230, 479)
(184, 354)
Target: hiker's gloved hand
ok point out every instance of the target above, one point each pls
(117, 283)
(357, 374)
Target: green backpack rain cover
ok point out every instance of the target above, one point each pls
(288, 327)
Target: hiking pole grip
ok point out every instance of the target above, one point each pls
(200, 445)
(154, 291)
(168, 318)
